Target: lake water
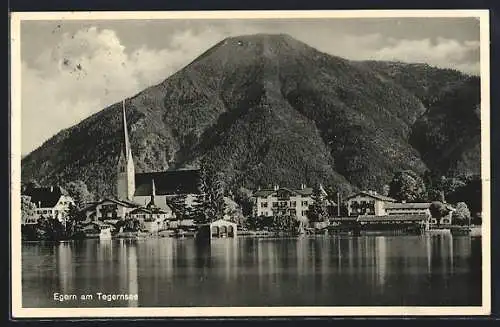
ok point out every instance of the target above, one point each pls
(427, 270)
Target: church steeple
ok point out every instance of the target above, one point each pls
(153, 193)
(126, 143)
(125, 186)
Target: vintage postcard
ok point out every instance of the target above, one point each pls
(250, 163)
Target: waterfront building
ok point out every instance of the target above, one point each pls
(50, 202)
(282, 200)
(153, 219)
(402, 208)
(219, 228)
(137, 187)
(368, 203)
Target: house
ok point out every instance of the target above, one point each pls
(368, 203)
(50, 202)
(219, 228)
(153, 219)
(282, 200)
(113, 209)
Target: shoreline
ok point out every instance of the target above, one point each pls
(475, 231)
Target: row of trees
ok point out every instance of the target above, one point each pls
(464, 192)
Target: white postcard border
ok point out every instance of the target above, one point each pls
(15, 171)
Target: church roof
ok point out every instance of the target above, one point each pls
(45, 197)
(167, 182)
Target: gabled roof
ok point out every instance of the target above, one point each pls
(123, 203)
(45, 197)
(148, 210)
(372, 195)
(398, 205)
(264, 193)
(167, 182)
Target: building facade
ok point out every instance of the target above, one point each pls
(281, 200)
(395, 208)
(368, 203)
(50, 202)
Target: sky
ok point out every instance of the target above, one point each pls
(72, 69)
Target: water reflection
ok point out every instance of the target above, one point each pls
(342, 270)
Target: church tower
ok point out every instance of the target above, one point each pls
(125, 183)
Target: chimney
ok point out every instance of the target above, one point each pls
(276, 187)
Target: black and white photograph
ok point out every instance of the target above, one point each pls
(305, 163)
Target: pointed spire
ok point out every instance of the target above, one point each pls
(126, 143)
(153, 193)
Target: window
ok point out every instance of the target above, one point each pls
(263, 205)
(275, 204)
(304, 203)
(293, 203)
(293, 212)
(268, 213)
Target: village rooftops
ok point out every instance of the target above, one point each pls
(374, 195)
(175, 182)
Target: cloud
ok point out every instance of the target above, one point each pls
(444, 53)
(90, 70)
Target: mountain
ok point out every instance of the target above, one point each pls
(270, 109)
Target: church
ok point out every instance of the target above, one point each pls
(155, 187)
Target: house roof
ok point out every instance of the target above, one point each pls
(167, 182)
(373, 195)
(45, 197)
(264, 193)
(220, 222)
(397, 205)
(123, 203)
(148, 210)
(402, 217)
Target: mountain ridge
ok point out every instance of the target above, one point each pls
(270, 109)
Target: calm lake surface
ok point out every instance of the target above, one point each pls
(427, 270)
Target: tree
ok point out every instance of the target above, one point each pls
(210, 201)
(461, 215)
(74, 218)
(79, 192)
(438, 210)
(407, 186)
(51, 229)
(27, 208)
(243, 198)
(317, 211)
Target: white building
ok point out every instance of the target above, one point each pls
(269, 202)
(50, 202)
(368, 203)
